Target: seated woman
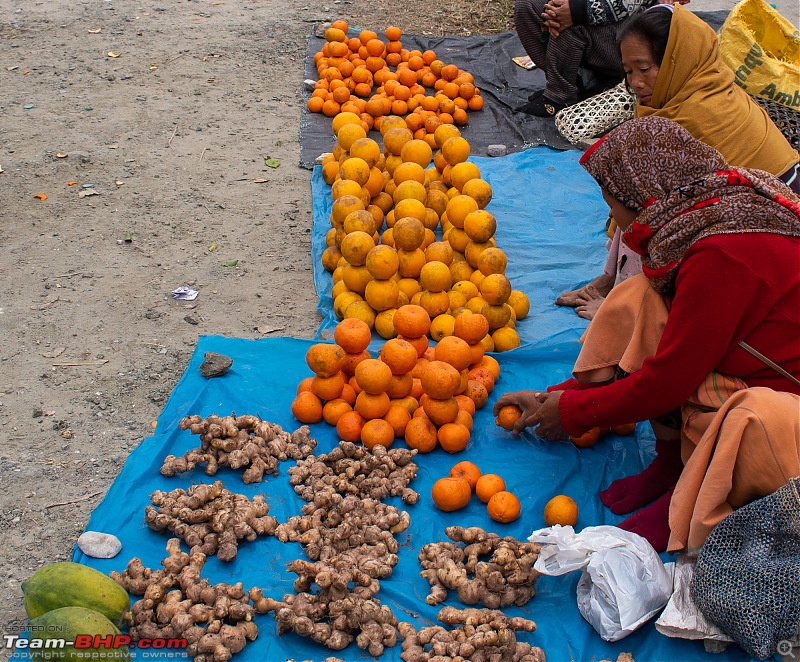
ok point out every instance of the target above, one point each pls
(672, 63)
(720, 251)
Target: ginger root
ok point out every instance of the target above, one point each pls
(506, 577)
(483, 636)
(351, 469)
(216, 620)
(238, 442)
(209, 518)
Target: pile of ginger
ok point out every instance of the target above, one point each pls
(506, 577)
(210, 518)
(347, 532)
(238, 442)
(483, 635)
(215, 619)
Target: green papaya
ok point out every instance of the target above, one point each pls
(49, 633)
(70, 584)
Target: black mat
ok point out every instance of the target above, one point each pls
(503, 84)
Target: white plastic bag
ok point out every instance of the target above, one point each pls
(624, 582)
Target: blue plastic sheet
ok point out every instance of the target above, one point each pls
(262, 381)
(550, 222)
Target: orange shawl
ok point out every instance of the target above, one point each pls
(696, 89)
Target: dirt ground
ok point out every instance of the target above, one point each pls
(147, 125)
(161, 115)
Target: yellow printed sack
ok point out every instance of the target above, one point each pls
(763, 49)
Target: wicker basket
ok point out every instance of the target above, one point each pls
(786, 119)
(591, 118)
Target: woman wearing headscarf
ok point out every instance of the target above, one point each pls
(673, 65)
(705, 343)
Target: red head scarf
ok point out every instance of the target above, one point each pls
(684, 191)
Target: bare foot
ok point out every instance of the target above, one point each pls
(601, 284)
(589, 302)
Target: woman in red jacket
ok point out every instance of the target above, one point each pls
(705, 343)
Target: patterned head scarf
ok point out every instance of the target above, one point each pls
(684, 191)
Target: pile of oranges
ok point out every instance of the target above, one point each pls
(376, 271)
(454, 492)
(349, 70)
(425, 395)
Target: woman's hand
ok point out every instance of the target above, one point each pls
(527, 401)
(547, 419)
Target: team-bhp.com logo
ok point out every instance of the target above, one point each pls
(108, 647)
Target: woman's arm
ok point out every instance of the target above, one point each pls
(718, 300)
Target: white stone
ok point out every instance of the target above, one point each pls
(99, 545)
(496, 150)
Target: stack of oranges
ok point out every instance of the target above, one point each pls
(375, 270)
(349, 68)
(425, 395)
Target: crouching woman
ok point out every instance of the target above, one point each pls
(705, 343)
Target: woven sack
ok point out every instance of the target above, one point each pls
(591, 118)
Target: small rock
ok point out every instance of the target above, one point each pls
(497, 150)
(321, 158)
(38, 412)
(309, 84)
(191, 319)
(215, 365)
(99, 545)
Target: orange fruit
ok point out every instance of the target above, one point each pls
(440, 380)
(373, 376)
(334, 410)
(327, 388)
(421, 434)
(412, 322)
(464, 418)
(517, 300)
(352, 335)
(417, 151)
(471, 328)
(493, 260)
(440, 411)
(435, 277)
(561, 510)
(349, 426)
(478, 189)
(505, 339)
(375, 432)
(401, 385)
(451, 494)
(459, 207)
(492, 365)
(483, 376)
(587, 439)
(371, 405)
(453, 437)
(479, 225)
(507, 416)
(400, 355)
(455, 150)
(351, 360)
(488, 485)
(395, 138)
(466, 471)
(324, 359)
(477, 393)
(304, 385)
(421, 345)
(408, 233)
(461, 173)
(307, 407)
(503, 507)
(465, 404)
(454, 350)
(398, 417)
(409, 403)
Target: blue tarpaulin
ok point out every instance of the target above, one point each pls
(550, 220)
